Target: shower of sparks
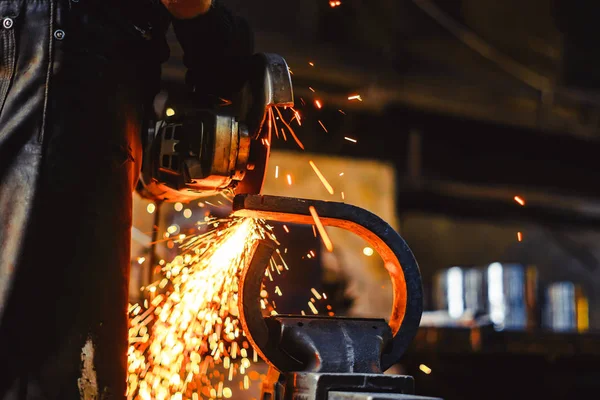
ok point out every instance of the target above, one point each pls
(189, 339)
(519, 200)
(321, 229)
(321, 177)
(186, 341)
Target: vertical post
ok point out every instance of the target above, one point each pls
(414, 158)
(153, 255)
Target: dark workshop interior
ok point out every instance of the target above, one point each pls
(472, 127)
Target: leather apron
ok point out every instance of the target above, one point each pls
(71, 112)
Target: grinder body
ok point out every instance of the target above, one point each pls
(195, 151)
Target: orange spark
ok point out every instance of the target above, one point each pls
(520, 200)
(425, 369)
(270, 122)
(289, 179)
(285, 228)
(519, 236)
(321, 177)
(350, 139)
(317, 294)
(311, 89)
(355, 97)
(318, 104)
(335, 3)
(298, 142)
(342, 112)
(312, 64)
(323, 126)
(298, 118)
(276, 171)
(321, 228)
(273, 120)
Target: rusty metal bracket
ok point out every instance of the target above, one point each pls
(398, 259)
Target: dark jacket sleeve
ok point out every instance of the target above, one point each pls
(216, 46)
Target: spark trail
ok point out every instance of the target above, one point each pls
(188, 342)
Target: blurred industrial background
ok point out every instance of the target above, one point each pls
(470, 126)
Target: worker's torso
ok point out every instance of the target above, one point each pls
(74, 78)
(38, 38)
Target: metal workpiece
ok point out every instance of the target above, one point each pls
(398, 259)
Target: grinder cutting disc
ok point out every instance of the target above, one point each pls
(270, 85)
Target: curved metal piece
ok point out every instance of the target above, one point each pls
(398, 259)
(251, 318)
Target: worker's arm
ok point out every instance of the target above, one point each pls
(216, 45)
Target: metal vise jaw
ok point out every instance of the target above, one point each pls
(331, 358)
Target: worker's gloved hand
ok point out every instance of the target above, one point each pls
(186, 9)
